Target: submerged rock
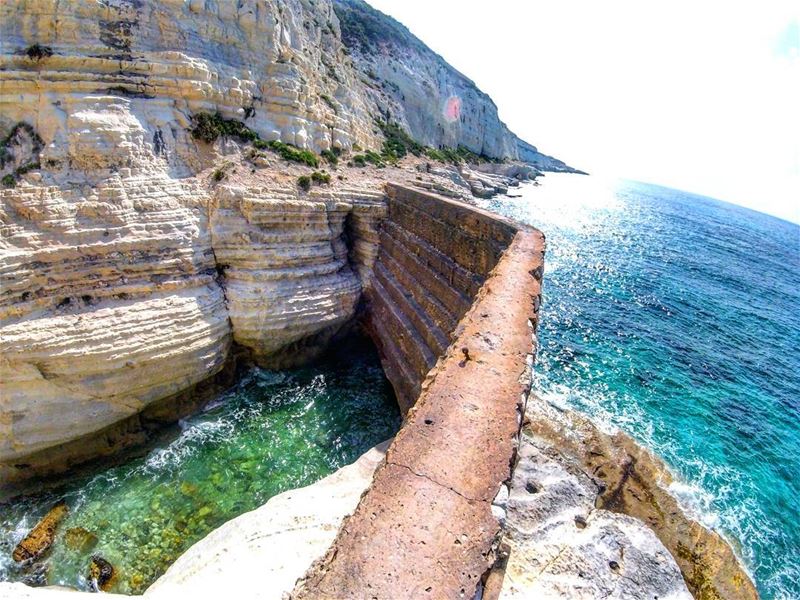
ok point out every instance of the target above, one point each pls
(80, 539)
(101, 573)
(41, 537)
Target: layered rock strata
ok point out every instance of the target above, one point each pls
(438, 513)
(286, 275)
(101, 287)
(105, 286)
(156, 63)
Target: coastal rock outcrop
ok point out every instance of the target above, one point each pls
(105, 286)
(287, 279)
(559, 545)
(621, 477)
(101, 287)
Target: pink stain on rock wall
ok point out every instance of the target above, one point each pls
(452, 109)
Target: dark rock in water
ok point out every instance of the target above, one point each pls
(41, 537)
(80, 539)
(101, 573)
(36, 574)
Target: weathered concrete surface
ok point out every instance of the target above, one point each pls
(434, 256)
(425, 528)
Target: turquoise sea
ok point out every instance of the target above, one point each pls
(273, 432)
(676, 318)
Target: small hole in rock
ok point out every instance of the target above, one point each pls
(428, 421)
(531, 488)
(613, 565)
(580, 522)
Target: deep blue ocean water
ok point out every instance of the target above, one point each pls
(676, 318)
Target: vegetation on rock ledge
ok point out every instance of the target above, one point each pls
(209, 127)
(37, 52)
(304, 181)
(399, 144)
(15, 137)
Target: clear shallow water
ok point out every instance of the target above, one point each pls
(676, 318)
(274, 432)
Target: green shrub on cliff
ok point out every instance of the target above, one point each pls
(457, 156)
(9, 181)
(208, 128)
(398, 143)
(290, 153)
(369, 157)
(37, 52)
(329, 101)
(332, 156)
(320, 178)
(304, 182)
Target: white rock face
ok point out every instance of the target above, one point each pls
(132, 73)
(560, 546)
(286, 271)
(111, 298)
(410, 84)
(102, 287)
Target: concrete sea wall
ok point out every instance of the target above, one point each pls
(434, 256)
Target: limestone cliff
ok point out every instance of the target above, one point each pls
(410, 84)
(128, 273)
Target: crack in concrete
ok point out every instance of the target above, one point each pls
(447, 487)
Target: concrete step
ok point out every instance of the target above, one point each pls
(436, 339)
(413, 346)
(433, 282)
(461, 279)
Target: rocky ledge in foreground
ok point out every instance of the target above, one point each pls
(589, 517)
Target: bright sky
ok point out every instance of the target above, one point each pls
(701, 95)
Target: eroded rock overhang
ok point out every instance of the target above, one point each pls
(123, 306)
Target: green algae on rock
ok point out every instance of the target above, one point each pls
(41, 537)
